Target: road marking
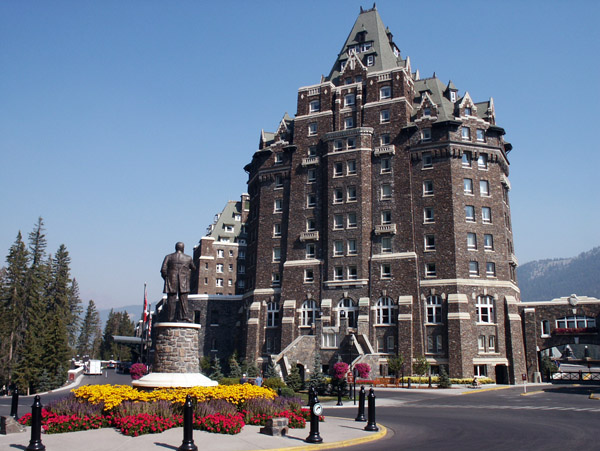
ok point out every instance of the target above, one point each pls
(492, 407)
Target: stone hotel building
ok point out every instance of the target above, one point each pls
(379, 224)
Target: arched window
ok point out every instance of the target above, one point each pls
(307, 312)
(385, 311)
(434, 309)
(272, 314)
(348, 309)
(485, 309)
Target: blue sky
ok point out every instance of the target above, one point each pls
(126, 125)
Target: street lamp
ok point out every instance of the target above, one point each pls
(352, 343)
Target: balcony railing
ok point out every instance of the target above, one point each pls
(309, 236)
(385, 228)
(385, 150)
(310, 161)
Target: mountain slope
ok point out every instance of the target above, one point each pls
(543, 280)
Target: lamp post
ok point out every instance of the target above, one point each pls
(352, 342)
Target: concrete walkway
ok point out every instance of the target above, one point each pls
(335, 432)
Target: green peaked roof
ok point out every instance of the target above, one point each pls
(369, 28)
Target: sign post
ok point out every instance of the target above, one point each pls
(524, 377)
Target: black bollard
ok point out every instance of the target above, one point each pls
(429, 381)
(188, 427)
(371, 425)
(35, 444)
(315, 411)
(408, 386)
(339, 390)
(279, 391)
(361, 405)
(15, 404)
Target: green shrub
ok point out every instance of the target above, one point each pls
(229, 381)
(287, 392)
(444, 380)
(273, 383)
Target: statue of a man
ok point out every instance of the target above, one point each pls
(176, 271)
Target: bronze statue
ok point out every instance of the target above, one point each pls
(176, 271)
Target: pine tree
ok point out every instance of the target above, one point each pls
(76, 310)
(293, 379)
(118, 323)
(215, 370)
(12, 307)
(235, 371)
(317, 378)
(90, 337)
(444, 378)
(249, 367)
(271, 371)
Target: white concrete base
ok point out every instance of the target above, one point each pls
(159, 380)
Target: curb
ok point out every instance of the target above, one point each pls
(481, 390)
(341, 444)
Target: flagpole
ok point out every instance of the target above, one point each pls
(144, 316)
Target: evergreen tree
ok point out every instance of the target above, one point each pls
(271, 371)
(125, 328)
(293, 379)
(90, 337)
(118, 323)
(249, 367)
(444, 378)
(234, 367)
(317, 378)
(215, 370)
(75, 310)
(12, 307)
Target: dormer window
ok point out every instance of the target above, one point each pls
(452, 96)
(426, 134)
(468, 111)
(366, 46)
(370, 60)
(427, 111)
(278, 158)
(342, 65)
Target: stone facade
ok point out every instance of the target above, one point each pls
(176, 348)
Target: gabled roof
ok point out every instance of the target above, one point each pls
(435, 89)
(370, 25)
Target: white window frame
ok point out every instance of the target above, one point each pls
(311, 175)
(386, 271)
(473, 268)
(338, 169)
(485, 309)
(433, 309)
(308, 312)
(484, 188)
(426, 134)
(386, 191)
(278, 206)
(338, 222)
(490, 269)
(468, 186)
(480, 135)
(351, 194)
(428, 215)
(338, 196)
(427, 187)
(430, 270)
(430, 242)
(276, 254)
(338, 248)
(386, 245)
(272, 314)
(465, 133)
(351, 247)
(427, 160)
(309, 275)
(314, 106)
(385, 92)
(310, 251)
(486, 215)
(349, 100)
(313, 129)
(348, 123)
(488, 242)
(471, 241)
(352, 224)
(468, 210)
(384, 116)
(386, 166)
(276, 230)
(351, 167)
(385, 311)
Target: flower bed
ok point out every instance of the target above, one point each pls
(223, 410)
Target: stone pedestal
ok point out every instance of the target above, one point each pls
(176, 360)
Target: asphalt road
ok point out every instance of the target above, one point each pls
(549, 418)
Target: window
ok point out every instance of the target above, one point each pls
(545, 328)
(337, 145)
(484, 188)
(384, 116)
(352, 273)
(329, 340)
(426, 111)
(429, 242)
(434, 345)
(470, 213)
(492, 343)
(473, 268)
(572, 322)
(370, 60)
(380, 345)
(385, 139)
(430, 270)
(426, 134)
(241, 269)
(390, 345)
(428, 215)
(480, 370)
(278, 208)
(338, 222)
(351, 143)
(471, 241)
(276, 230)
(242, 254)
(219, 267)
(275, 279)
(488, 242)
(311, 175)
(213, 345)
(467, 111)
(219, 282)
(486, 215)
(386, 191)
(220, 253)
(230, 283)
(352, 247)
(309, 276)
(385, 92)
(272, 314)
(386, 271)
(348, 123)
(307, 312)
(386, 217)
(481, 343)
(453, 96)
(468, 186)
(231, 253)
(312, 129)
(385, 311)
(427, 160)
(386, 245)
(466, 159)
(342, 65)
(386, 165)
(351, 167)
(428, 187)
(311, 200)
(347, 309)
(241, 284)
(314, 106)
(338, 273)
(276, 254)
(338, 196)
(434, 309)
(278, 181)
(338, 169)
(278, 158)
(338, 248)
(310, 250)
(349, 100)
(351, 193)
(465, 132)
(485, 309)
(270, 346)
(490, 269)
(311, 225)
(351, 220)
(480, 134)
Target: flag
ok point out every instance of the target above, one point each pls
(145, 304)
(149, 319)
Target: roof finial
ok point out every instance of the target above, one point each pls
(374, 6)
